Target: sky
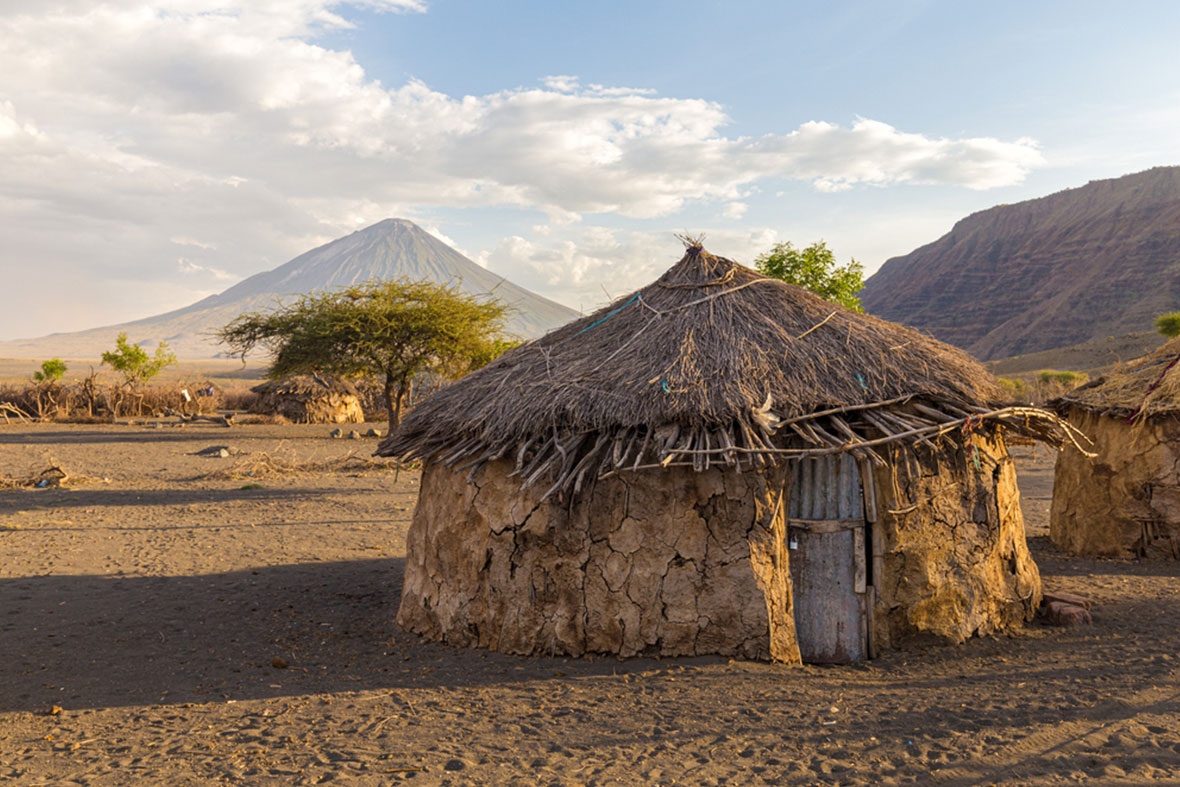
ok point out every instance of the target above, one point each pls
(153, 153)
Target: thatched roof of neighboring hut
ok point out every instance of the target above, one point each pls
(1143, 387)
(703, 365)
(305, 385)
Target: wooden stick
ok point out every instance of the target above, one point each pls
(928, 430)
(818, 324)
(849, 409)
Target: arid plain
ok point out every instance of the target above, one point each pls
(168, 619)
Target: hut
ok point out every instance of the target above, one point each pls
(1125, 502)
(718, 463)
(310, 399)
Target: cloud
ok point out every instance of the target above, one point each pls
(140, 126)
(562, 84)
(593, 265)
(187, 267)
(735, 210)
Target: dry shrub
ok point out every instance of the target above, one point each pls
(87, 401)
(53, 475)
(238, 399)
(260, 419)
(283, 461)
(31, 400)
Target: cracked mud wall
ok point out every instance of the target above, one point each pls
(332, 408)
(670, 563)
(954, 559)
(1126, 501)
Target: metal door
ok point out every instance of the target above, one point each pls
(826, 532)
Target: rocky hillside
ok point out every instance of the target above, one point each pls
(390, 249)
(1086, 263)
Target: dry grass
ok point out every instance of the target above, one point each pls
(283, 461)
(261, 419)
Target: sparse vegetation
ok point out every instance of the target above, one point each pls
(394, 330)
(1042, 385)
(815, 269)
(90, 399)
(1168, 324)
(1018, 390)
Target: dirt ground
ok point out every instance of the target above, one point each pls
(143, 606)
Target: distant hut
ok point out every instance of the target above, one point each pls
(1126, 501)
(310, 399)
(719, 463)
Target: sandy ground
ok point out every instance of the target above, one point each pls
(141, 610)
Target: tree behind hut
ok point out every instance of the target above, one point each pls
(392, 330)
(814, 268)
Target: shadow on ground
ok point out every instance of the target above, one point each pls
(93, 641)
(242, 489)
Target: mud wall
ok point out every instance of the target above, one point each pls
(1126, 501)
(330, 409)
(951, 557)
(680, 563)
(674, 563)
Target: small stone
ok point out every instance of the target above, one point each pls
(374, 433)
(278, 662)
(354, 435)
(1067, 598)
(1058, 613)
(56, 710)
(336, 434)
(454, 765)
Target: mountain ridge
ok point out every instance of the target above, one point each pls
(1084, 263)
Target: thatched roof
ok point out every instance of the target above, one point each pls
(704, 364)
(306, 385)
(1144, 387)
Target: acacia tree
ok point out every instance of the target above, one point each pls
(815, 269)
(392, 330)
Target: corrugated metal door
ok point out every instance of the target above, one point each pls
(826, 532)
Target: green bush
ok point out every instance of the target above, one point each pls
(1064, 379)
(51, 371)
(133, 361)
(1017, 389)
(1168, 324)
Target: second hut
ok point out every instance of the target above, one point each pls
(719, 463)
(310, 399)
(1125, 502)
